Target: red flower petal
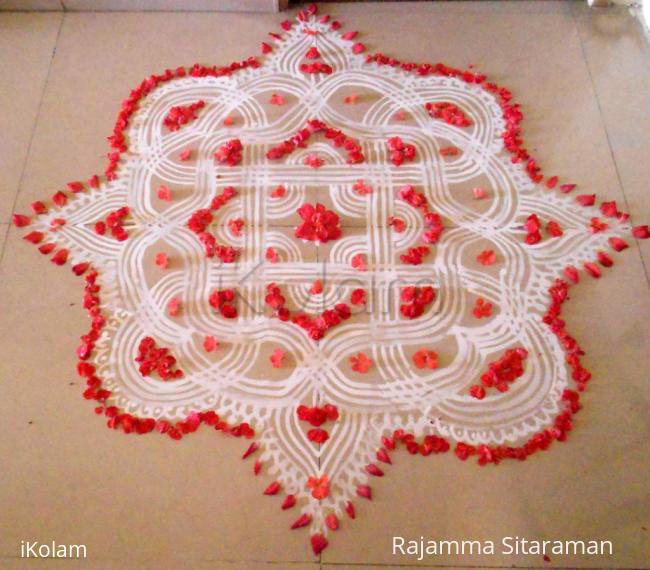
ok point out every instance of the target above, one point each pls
(312, 53)
(479, 193)
(358, 262)
(277, 357)
(80, 268)
(185, 155)
(46, 248)
(361, 363)
(161, 260)
(289, 501)
(38, 207)
(617, 243)
(164, 193)
(60, 257)
(358, 297)
(266, 48)
(592, 269)
(93, 181)
(279, 192)
(272, 255)
(364, 491)
(554, 229)
(641, 232)
(551, 182)
(586, 199)
(34, 237)
(358, 48)
(277, 99)
(60, 198)
(477, 392)
(316, 287)
(272, 489)
(372, 469)
(210, 344)
(604, 259)
(382, 455)
(251, 449)
(349, 35)
(286, 25)
(332, 521)
(302, 520)
(572, 273)
(174, 306)
(566, 188)
(349, 508)
(76, 187)
(486, 257)
(318, 543)
(20, 220)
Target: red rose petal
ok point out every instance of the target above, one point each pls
(251, 449)
(641, 232)
(272, 489)
(364, 491)
(586, 199)
(34, 237)
(617, 243)
(289, 502)
(60, 198)
(80, 268)
(318, 543)
(592, 269)
(382, 455)
(572, 273)
(60, 257)
(20, 220)
(302, 520)
(332, 521)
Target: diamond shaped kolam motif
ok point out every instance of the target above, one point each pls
(331, 254)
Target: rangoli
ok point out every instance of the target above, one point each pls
(331, 254)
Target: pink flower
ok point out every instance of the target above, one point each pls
(358, 262)
(479, 193)
(320, 487)
(277, 99)
(174, 307)
(319, 224)
(486, 257)
(361, 363)
(482, 308)
(279, 192)
(164, 193)
(162, 260)
(277, 357)
(424, 358)
(210, 344)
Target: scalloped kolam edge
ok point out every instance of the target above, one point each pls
(430, 444)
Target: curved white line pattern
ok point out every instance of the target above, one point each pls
(238, 380)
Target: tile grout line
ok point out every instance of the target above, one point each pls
(609, 142)
(31, 137)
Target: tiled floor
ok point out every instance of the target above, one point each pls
(583, 79)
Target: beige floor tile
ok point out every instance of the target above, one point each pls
(150, 499)
(174, 5)
(618, 58)
(26, 44)
(151, 564)
(50, 5)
